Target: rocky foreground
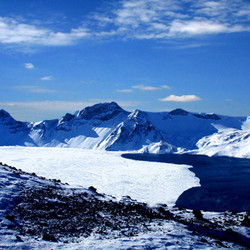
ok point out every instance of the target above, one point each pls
(47, 210)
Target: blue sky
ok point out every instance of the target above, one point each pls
(59, 56)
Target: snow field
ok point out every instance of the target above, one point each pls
(148, 182)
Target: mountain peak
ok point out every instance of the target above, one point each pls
(6, 118)
(178, 112)
(4, 114)
(102, 111)
(67, 117)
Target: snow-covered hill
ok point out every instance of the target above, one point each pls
(108, 126)
(234, 143)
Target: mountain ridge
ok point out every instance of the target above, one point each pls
(108, 126)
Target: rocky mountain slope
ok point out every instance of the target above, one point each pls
(108, 126)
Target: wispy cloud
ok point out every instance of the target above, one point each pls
(33, 89)
(190, 45)
(143, 87)
(182, 98)
(165, 87)
(180, 28)
(149, 88)
(14, 32)
(47, 105)
(29, 66)
(41, 110)
(46, 78)
(157, 19)
(124, 90)
(141, 19)
(62, 105)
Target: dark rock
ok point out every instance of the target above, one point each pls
(19, 239)
(246, 222)
(161, 210)
(102, 111)
(179, 112)
(10, 217)
(204, 240)
(4, 114)
(207, 116)
(198, 215)
(56, 180)
(219, 243)
(234, 212)
(49, 237)
(93, 189)
(68, 117)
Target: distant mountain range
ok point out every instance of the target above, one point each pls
(107, 126)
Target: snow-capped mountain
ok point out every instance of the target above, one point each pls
(13, 132)
(108, 126)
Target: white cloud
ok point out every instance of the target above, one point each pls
(182, 98)
(200, 27)
(102, 20)
(143, 87)
(124, 90)
(14, 32)
(46, 78)
(29, 66)
(211, 8)
(157, 19)
(141, 19)
(150, 88)
(244, 12)
(33, 89)
(165, 87)
(190, 45)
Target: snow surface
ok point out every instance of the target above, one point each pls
(149, 182)
(229, 142)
